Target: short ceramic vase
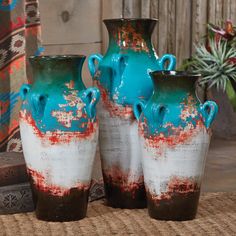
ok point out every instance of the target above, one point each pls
(122, 76)
(59, 132)
(174, 131)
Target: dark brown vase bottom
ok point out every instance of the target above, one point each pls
(180, 206)
(118, 198)
(61, 208)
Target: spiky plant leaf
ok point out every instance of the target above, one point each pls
(214, 65)
(231, 95)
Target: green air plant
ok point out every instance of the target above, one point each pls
(215, 66)
(216, 61)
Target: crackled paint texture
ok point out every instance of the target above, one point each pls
(175, 135)
(122, 76)
(59, 132)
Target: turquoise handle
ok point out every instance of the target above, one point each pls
(209, 111)
(158, 113)
(138, 108)
(93, 96)
(24, 90)
(91, 63)
(167, 58)
(118, 62)
(38, 102)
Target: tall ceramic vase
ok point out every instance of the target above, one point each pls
(122, 76)
(59, 132)
(174, 129)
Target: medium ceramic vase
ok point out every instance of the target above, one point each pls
(59, 132)
(174, 130)
(122, 76)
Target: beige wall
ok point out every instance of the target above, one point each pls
(72, 27)
(76, 25)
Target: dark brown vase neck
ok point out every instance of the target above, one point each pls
(174, 85)
(133, 34)
(58, 69)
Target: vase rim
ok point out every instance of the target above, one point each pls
(129, 19)
(57, 57)
(174, 74)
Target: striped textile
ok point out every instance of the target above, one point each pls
(19, 38)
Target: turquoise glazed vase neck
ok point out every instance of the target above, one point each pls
(174, 105)
(58, 83)
(123, 72)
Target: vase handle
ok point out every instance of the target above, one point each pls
(91, 63)
(24, 90)
(167, 58)
(138, 108)
(118, 62)
(158, 113)
(209, 111)
(93, 96)
(38, 102)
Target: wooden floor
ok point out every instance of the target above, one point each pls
(220, 172)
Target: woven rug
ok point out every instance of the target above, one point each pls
(216, 216)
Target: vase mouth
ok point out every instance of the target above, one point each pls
(174, 74)
(56, 57)
(129, 20)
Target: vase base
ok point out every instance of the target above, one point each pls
(70, 207)
(180, 206)
(118, 198)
